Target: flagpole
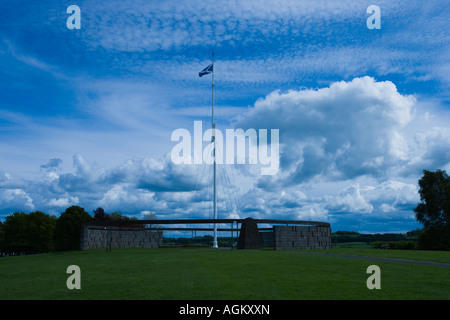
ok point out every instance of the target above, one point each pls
(215, 245)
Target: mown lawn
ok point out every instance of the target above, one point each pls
(180, 274)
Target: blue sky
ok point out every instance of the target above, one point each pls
(86, 115)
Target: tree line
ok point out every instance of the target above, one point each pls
(351, 236)
(36, 232)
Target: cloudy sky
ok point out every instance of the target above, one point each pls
(86, 115)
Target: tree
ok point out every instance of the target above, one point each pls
(1, 237)
(118, 216)
(434, 210)
(68, 227)
(151, 216)
(100, 215)
(41, 227)
(27, 233)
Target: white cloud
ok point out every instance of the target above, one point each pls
(393, 193)
(349, 200)
(172, 24)
(84, 177)
(6, 180)
(346, 130)
(63, 202)
(53, 164)
(431, 150)
(125, 196)
(287, 203)
(16, 200)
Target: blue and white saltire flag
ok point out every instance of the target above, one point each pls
(207, 70)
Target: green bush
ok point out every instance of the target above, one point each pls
(399, 245)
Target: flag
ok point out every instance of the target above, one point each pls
(207, 70)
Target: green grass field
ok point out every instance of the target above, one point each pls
(192, 273)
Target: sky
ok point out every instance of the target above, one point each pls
(87, 115)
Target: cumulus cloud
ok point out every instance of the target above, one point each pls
(136, 185)
(84, 177)
(63, 202)
(392, 195)
(152, 175)
(285, 203)
(343, 131)
(349, 200)
(52, 165)
(431, 150)
(360, 130)
(121, 196)
(5, 179)
(16, 199)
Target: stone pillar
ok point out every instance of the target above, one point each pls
(249, 237)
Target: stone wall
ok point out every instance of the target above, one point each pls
(113, 237)
(301, 237)
(267, 239)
